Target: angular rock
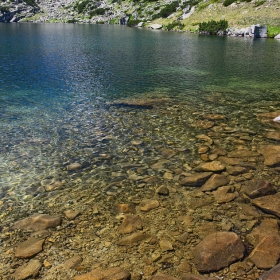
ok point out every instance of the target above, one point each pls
(72, 262)
(183, 237)
(125, 208)
(269, 203)
(196, 277)
(267, 252)
(162, 190)
(114, 273)
(225, 194)
(161, 276)
(155, 26)
(160, 164)
(29, 248)
(271, 154)
(71, 215)
(236, 170)
(196, 180)
(214, 182)
(130, 223)
(167, 153)
(273, 135)
(165, 245)
(29, 269)
(149, 205)
(134, 238)
(37, 222)
(257, 188)
(242, 153)
(214, 166)
(217, 251)
(272, 274)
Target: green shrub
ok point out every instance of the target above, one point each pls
(167, 10)
(272, 31)
(31, 3)
(175, 25)
(228, 2)
(71, 21)
(259, 3)
(212, 27)
(80, 7)
(98, 11)
(4, 9)
(133, 22)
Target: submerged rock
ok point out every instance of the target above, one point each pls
(214, 166)
(272, 274)
(196, 180)
(130, 223)
(271, 154)
(269, 203)
(214, 182)
(257, 188)
(217, 251)
(29, 248)
(27, 270)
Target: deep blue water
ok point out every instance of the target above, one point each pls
(55, 81)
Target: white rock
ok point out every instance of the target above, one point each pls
(277, 119)
(156, 26)
(277, 37)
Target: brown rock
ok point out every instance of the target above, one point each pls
(71, 215)
(268, 227)
(225, 194)
(165, 245)
(274, 135)
(196, 277)
(257, 188)
(269, 203)
(205, 138)
(114, 273)
(74, 166)
(29, 248)
(236, 170)
(204, 124)
(162, 190)
(31, 268)
(213, 117)
(167, 153)
(37, 222)
(162, 276)
(217, 251)
(214, 166)
(271, 154)
(272, 274)
(72, 262)
(196, 180)
(149, 204)
(183, 237)
(267, 252)
(125, 208)
(134, 238)
(242, 153)
(130, 223)
(160, 164)
(203, 149)
(214, 182)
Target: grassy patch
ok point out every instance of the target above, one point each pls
(272, 31)
(175, 25)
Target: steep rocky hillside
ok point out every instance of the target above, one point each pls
(178, 14)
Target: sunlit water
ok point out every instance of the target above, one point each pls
(57, 82)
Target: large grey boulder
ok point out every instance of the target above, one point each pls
(277, 37)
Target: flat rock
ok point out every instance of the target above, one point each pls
(29, 269)
(225, 194)
(160, 164)
(37, 222)
(271, 154)
(114, 273)
(213, 166)
(162, 190)
(269, 203)
(130, 223)
(242, 153)
(29, 248)
(73, 262)
(204, 124)
(134, 238)
(74, 166)
(156, 26)
(267, 252)
(272, 274)
(268, 227)
(167, 153)
(236, 170)
(189, 276)
(257, 188)
(128, 208)
(215, 181)
(165, 245)
(161, 276)
(196, 180)
(149, 204)
(71, 215)
(218, 250)
(213, 117)
(273, 135)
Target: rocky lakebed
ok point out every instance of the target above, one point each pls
(164, 190)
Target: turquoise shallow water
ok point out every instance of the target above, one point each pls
(57, 79)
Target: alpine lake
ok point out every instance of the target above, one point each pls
(124, 147)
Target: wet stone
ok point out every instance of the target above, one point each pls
(72, 262)
(160, 164)
(269, 203)
(225, 194)
(196, 277)
(204, 124)
(125, 208)
(165, 245)
(267, 252)
(29, 248)
(203, 149)
(114, 273)
(183, 237)
(273, 135)
(130, 223)
(161, 276)
(167, 153)
(37, 222)
(272, 274)
(148, 205)
(74, 166)
(71, 215)
(217, 251)
(215, 181)
(133, 239)
(271, 154)
(242, 153)
(236, 170)
(196, 180)
(214, 166)
(30, 269)
(162, 190)
(257, 188)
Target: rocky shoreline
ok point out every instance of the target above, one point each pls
(209, 215)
